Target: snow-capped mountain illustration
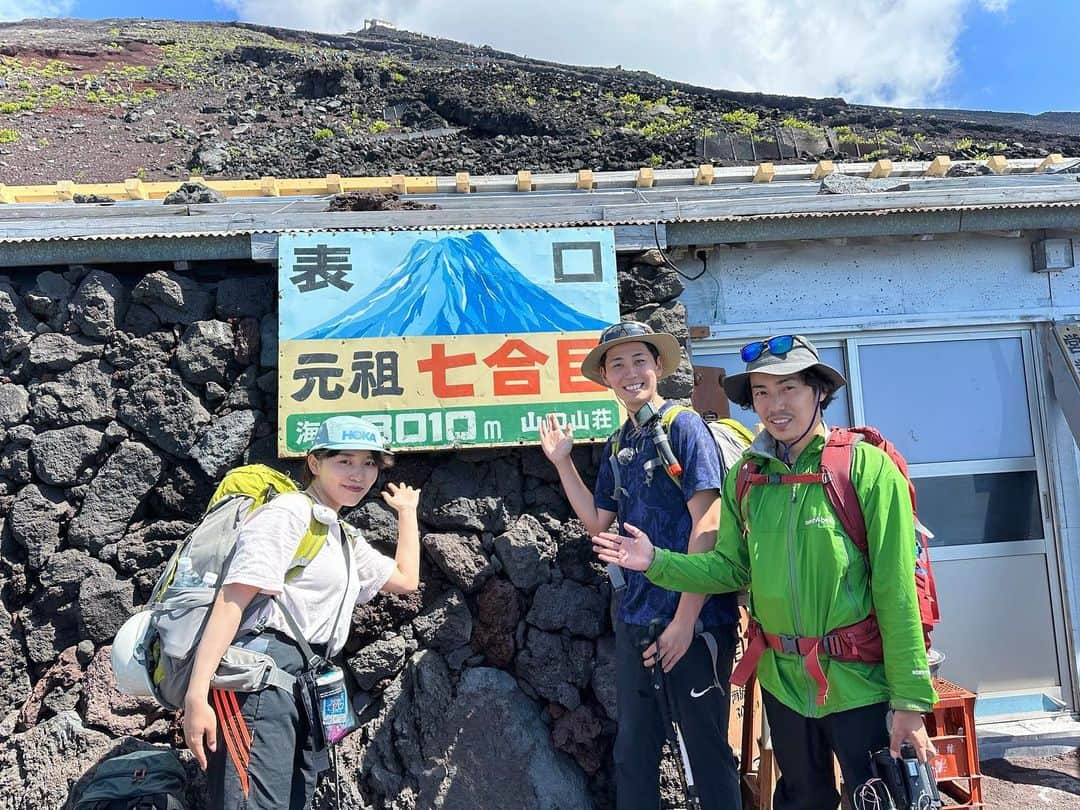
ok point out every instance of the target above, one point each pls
(454, 286)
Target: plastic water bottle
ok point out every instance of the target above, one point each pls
(185, 576)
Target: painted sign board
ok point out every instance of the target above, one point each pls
(444, 338)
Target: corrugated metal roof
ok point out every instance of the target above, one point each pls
(881, 212)
(150, 233)
(22, 224)
(252, 231)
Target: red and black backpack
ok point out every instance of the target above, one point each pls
(862, 640)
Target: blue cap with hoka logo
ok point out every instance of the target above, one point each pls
(349, 433)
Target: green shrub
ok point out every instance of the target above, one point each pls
(323, 134)
(745, 121)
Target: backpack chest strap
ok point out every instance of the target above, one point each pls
(753, 479)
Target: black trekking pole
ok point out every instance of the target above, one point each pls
(670, 716)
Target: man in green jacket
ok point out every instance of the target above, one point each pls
(807, 578)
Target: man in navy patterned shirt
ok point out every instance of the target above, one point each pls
(631, 359)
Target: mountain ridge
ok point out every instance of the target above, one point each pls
(97, 101)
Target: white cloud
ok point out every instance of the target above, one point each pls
(893, 52)
(34, 9)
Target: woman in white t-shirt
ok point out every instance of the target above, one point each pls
(270, 761)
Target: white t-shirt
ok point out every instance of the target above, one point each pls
(264, 552)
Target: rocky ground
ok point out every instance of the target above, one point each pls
(1026, 782)
(103, 100)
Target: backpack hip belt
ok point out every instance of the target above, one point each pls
(855, 642)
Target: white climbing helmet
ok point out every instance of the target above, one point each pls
(129, 656)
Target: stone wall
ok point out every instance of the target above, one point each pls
(126, 391)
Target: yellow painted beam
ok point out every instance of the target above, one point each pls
(365, 183)
(939, 166)
(426, 184)
(114, 190)
(268, 187)
(37, 193)
(133, 189)
(232, 188)
(1049, 161)
(316, 186)
(881, 168)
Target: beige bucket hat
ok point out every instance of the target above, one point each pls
(632, 332)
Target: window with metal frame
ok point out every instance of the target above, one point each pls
(958, 409)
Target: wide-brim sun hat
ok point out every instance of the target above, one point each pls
(349, 433)
(632, 332)
(801, 355)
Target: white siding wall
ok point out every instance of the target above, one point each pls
(953, 281)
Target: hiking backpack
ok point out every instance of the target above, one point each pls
(731, 438)
(154, 652)
(835, 477)
(152, 779)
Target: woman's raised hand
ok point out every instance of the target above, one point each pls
(633, 550)
(401, 497)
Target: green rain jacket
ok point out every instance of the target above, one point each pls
(806, 578)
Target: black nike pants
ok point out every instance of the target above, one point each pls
(703, 720)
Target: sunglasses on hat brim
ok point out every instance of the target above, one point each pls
(625, 329)
(778, 345)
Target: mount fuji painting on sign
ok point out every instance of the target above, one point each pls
(454, 286)
(444, 338)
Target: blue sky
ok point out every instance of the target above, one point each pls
(1022, 59)
(1012, 55)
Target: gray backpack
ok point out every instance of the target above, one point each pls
(152, 779)
(154, 651)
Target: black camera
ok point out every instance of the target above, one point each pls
(903, 784)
